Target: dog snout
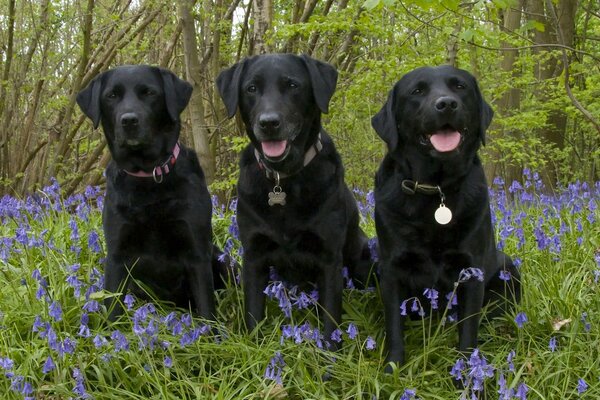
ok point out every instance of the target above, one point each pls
(446, 104)
(129, 120)
(269, 121)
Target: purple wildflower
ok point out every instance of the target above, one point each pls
(582, 386)
(469, 273)
(457, 370)
(275, 368)
(509, 360)
(505, 275)
(521, 319)
(586, 325)
(432, 295)
(99, 341)
(94, 241)
(480, 370)
(352, 331)
(552, 344)
(168, 362)
(119, 340)
(55, 311)
(79, 388)
(48, 365)
(129, 301)
(522, 390)
(403, 308)
(409, 394)
(6, 363)
(336, 335)
(370, 344)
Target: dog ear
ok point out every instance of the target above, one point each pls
(323, 78)
(177, 93)
(89, 100)
(384, 122)
(228, 83)
(486, 115)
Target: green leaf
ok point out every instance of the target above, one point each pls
(370, 4)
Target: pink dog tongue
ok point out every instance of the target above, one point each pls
(445, 140)
(274, 148)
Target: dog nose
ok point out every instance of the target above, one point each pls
(446, 104)
(269, 120)
(129, 120)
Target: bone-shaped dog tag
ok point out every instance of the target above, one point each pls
(277, 196)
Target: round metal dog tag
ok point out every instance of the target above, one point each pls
(443, 215)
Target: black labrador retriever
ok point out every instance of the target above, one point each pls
(294, 210)
(157, 210)
(432, 212)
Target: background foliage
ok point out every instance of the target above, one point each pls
(518, 49)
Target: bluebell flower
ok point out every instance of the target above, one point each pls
(275, 368)
(336, 335)
(552, 344)
(73, 281)
(403, 308)
(99, 341)
(55, 311)
(509, 360)
(91, 306)
(94, 242)
(6, 363)
(504, 391)
(79, 388)
(67, 346)
(409, 394)
(120, 341)
(373, 249)
(370, 344)
(18, 384)
(521, 319)
(479, 370)
(505, 275)
(168, 362)
(586, 325)
(582, 385)
(457, 370)
(129, 301)
(522, 390)
(48, 365)
(469, 273)
(74, 230)
(432, 295)
(352, 331)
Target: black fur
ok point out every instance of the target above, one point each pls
(417, 252)
(311, 237)
(157, 233)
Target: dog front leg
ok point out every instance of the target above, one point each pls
(115, 280)
(470, 302)
(393, 293)
(202, 285)
(254, 277)
(331, 285)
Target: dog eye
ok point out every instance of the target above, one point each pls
(251, 89)
(292, 85)
(460, 86)
(111, 95)
(417, 91)
(148, 92)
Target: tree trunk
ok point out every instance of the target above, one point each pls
(263, 19)
(194, 75)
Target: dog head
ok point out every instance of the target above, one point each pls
(438, 110)
(280, 98)
(139, 108)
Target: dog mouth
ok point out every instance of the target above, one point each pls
(444, 140)
(275, 150)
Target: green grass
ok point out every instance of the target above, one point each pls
(560, 284)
